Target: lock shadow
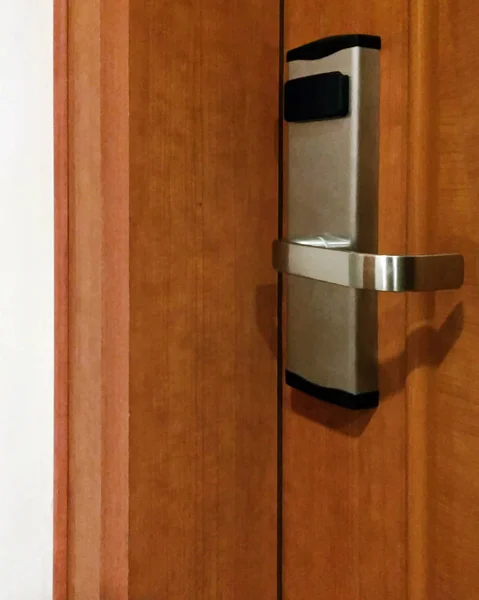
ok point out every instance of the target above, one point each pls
(344, 420)
(430, 347)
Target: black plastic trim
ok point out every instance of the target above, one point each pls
(316, 97)
(330, 45)
(364, 401)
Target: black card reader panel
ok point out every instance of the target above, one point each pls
(316, 97)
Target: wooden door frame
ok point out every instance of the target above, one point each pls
(60, 515)
(91, 119)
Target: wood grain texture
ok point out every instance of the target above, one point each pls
(115, 352)
(85, 318)
(99, 299)
(344, 499)
(420, 307)
(60, 512)
(444, 441)
(173, 206)
(203, 212)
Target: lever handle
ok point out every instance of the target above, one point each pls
(314, 259)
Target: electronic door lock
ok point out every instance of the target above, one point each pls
(331, 102)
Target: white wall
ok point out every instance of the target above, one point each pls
(26, 299)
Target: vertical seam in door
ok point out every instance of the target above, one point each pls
(279, 503)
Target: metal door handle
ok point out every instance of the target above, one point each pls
(331, 106)
(315, 258)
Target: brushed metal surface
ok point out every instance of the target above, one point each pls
(381, 273)
(332, 188)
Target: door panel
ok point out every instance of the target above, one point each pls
(344, 498)
(445, 458)
(173, 366)
(384, 505)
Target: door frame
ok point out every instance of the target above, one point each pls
(75, 49)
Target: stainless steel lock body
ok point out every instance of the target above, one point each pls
(332, 109)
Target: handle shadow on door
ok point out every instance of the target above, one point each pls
(431, 347)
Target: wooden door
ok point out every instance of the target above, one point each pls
(167, 160)
(167, 119)
(384, 504)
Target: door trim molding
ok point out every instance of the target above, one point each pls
(95, 195)
(60, 509)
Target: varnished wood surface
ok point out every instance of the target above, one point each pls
(345, 473)
(115, 357)
(420, 307)
(444, 442)
(173, 402)
(85, 302)
(60, 516)
(424, 459)
(203, 212)
(99, 300)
